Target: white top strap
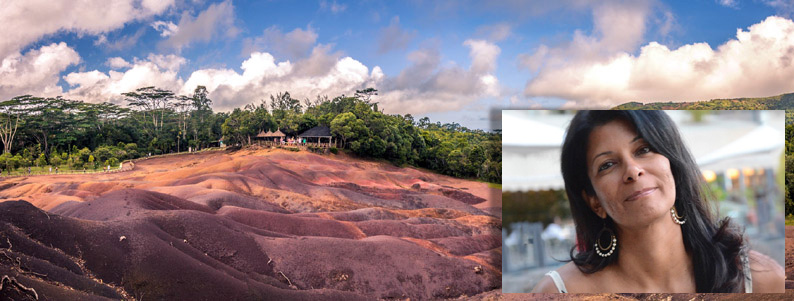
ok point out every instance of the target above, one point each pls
(557, 281)
(748, 277)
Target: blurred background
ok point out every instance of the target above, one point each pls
(740, 153)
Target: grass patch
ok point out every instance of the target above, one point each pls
(790, 220)
(495, 185)
(45, 170)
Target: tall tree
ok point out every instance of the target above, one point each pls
(182, 106)
(152, 100)
(55, 122)
(366, 94)
(11, 113)
(200, 116)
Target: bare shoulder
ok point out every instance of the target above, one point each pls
(768, 275)
(546, 285)
(572, 277)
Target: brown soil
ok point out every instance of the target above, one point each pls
(790, 259)
(251, 224)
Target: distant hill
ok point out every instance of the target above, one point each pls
(779, 102)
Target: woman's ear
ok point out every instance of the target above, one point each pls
(594, 204)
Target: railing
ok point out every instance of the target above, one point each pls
(294, 144)
(127, 165)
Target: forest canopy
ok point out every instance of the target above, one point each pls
(39, 131)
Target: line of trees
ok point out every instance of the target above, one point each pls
(54, 131)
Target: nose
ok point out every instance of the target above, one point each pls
(633, 171)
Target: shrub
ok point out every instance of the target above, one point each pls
(334, 150)
(41, 161)
(112, 162)
(14, 162)
(55, 159)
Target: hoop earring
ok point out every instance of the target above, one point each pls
(677, 219)
(611, 247)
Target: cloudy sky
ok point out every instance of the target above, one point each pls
(449, 60)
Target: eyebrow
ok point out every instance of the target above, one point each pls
(610, 152)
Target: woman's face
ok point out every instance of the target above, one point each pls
(633, 183)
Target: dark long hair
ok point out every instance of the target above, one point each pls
(714, 247)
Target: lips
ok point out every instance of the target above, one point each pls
(640, 193)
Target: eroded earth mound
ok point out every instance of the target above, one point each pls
(250, 224)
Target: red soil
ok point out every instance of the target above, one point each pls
(252, 224)
(789, 259)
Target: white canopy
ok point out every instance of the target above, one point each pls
(521, 130)
(531, 147)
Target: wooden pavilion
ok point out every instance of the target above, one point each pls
(271, 137)
(319, 135)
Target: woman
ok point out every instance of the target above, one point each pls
(642, 221)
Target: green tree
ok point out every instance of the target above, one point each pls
(131, 149)
(55, 159)
(239, 127)
(347, 127)
(102, 153)
(41, 160)
(153, 101)
(15, 162)
(12, 113)
(112, 162)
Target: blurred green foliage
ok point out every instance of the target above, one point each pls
(534, 206)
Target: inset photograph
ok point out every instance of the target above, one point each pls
(643, 201)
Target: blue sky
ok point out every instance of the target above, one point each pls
(449, 60)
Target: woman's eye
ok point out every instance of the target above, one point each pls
(644, 150)
(605, 166)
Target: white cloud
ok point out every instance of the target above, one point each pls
(784, 8)
(620, 26)
(426, 87)
(666, 23)
(293, 45)
(216, 19)
(95, 86)
(117, 63)
(728, 3)
(529, 8)
(123, 43)
(423, 87)
(319, 74)
(393, 37)
(165, 29)
(483, 56)
(25, 22)
(36, 71)
(333, 7)
(758, 62)
(494, 33)
(616, 27)
(169, 62)
(156, 6)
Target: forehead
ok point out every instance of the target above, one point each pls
(610, 135)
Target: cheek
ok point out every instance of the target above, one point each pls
(667, 176)
(605, 194)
